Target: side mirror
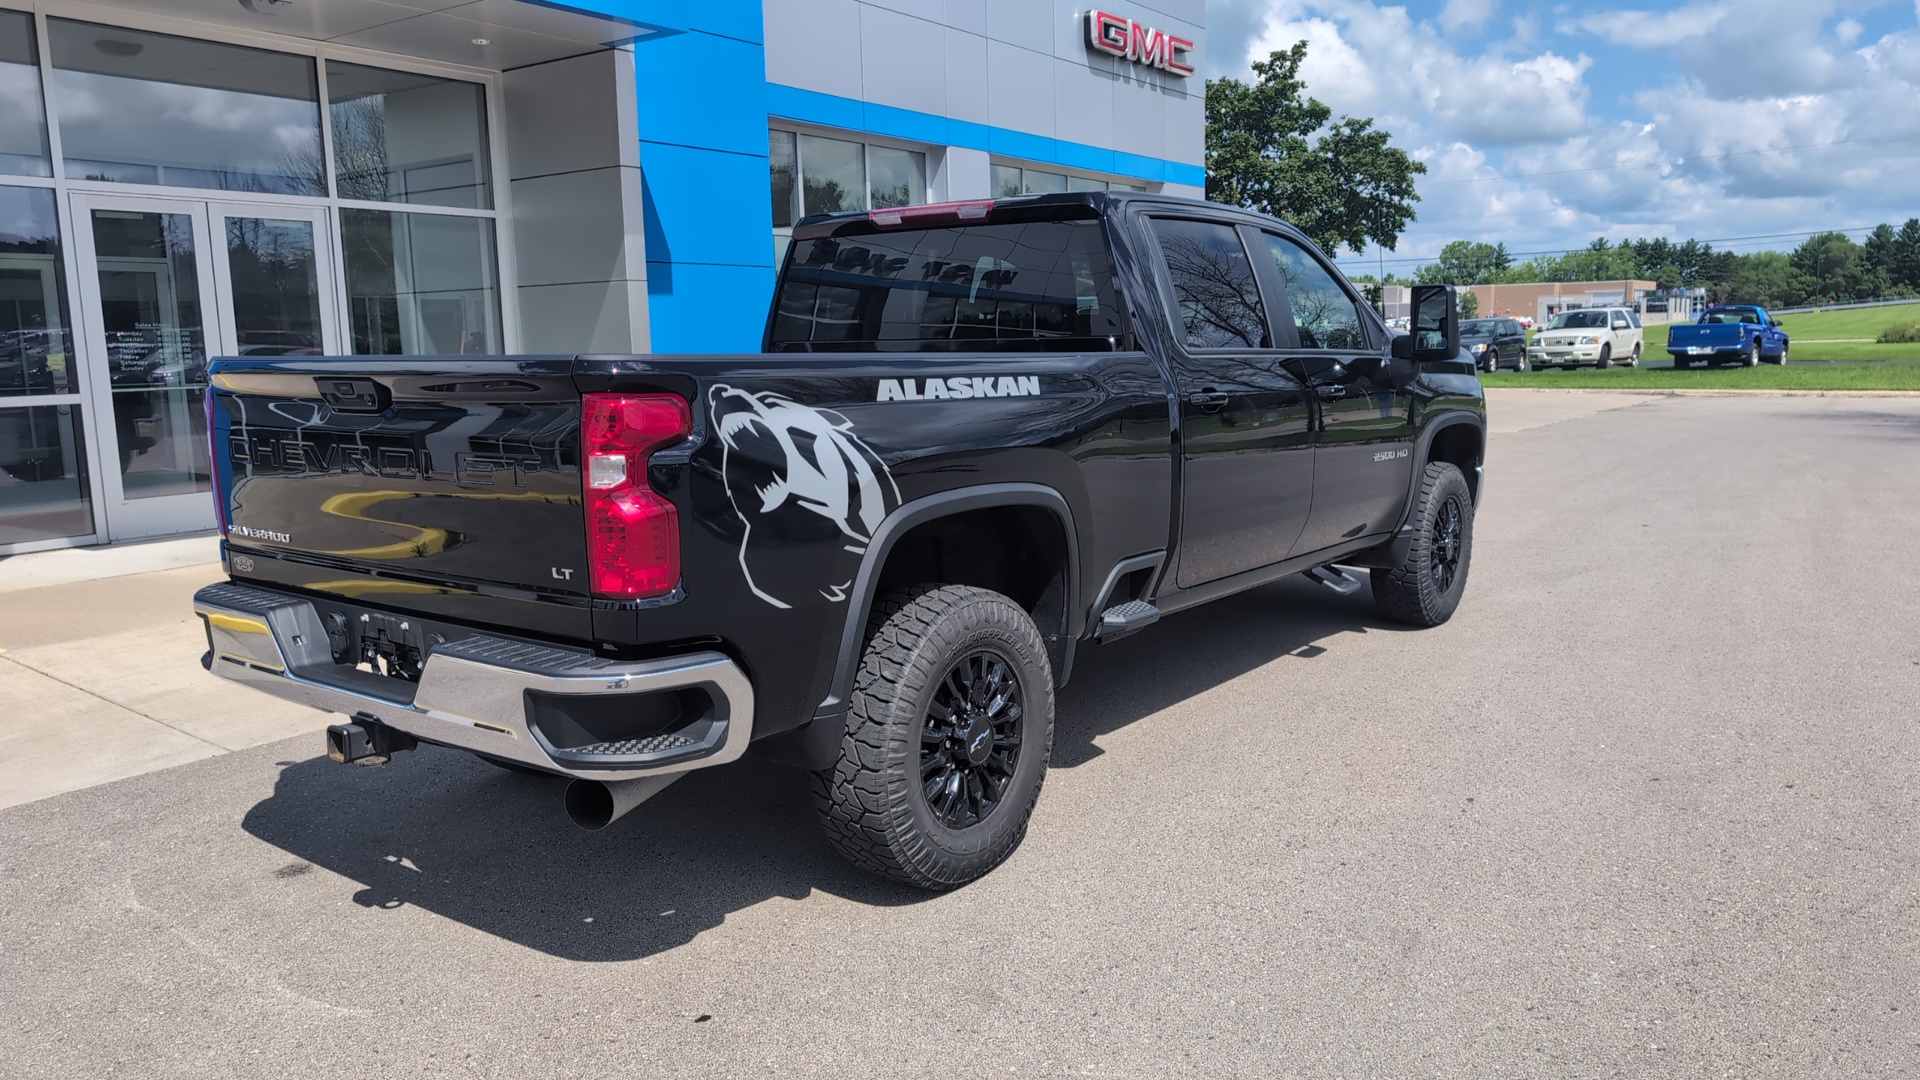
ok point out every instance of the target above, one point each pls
(1436, 324)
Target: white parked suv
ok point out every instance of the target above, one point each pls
(1598, 336)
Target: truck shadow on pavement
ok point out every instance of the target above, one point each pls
(493, 850)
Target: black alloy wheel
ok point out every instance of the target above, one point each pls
(1424, 584)
(1448, 541)
(947, 735)
(970, 744)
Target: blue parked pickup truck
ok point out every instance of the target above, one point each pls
(1734, 334)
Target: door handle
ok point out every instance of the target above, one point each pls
(1207, 400)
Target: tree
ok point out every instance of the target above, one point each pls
(1833, 266)
(1906, 255)
(1769, 279)
(1465, 263)
(1469, 304)
(1347, 186)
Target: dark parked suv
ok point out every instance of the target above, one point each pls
(1495, 343)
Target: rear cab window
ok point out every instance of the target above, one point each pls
(1013, 286)
(1216, 294)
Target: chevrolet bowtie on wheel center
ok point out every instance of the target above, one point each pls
(979, 438)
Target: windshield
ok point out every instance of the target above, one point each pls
(1478, 328)
(1578, 320)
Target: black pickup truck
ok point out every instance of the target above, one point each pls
(980, 437)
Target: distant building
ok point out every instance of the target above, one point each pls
(1540, 301)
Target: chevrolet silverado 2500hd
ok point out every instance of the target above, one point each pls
(980, 437)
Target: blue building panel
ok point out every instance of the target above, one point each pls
(698, 308)
(706, 206)
(730, 111)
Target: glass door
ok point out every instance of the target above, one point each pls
(145, 287)
(166, 284)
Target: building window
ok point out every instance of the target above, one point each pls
(23, 118)
(783, 164)
(144, 108)
(815, 174)
(36, 346)
(420, 284)
(401, 137)
(1011, 180)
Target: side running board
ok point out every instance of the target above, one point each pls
(1122, 619)
(1334, 578)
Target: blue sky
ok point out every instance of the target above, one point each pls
(1545, 125)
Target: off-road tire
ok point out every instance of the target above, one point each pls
(1606, 358)
(871, 803)
(1408, 593)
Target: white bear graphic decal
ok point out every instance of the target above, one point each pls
(790, 470)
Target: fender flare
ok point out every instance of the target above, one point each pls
(1394, 551)
(816, 744)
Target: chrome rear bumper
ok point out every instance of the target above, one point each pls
(473, 693)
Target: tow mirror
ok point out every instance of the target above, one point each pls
(1436, 324)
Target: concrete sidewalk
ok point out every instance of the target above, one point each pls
(100, 670)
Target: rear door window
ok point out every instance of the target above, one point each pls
(1215, 292)
(1015, 286)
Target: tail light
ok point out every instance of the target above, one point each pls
(633, 533)
(213, 462)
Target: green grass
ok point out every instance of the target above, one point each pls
(1764, 377)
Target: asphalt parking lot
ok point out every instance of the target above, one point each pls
(1646, 807)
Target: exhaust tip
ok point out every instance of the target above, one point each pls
(595, 804)
(590, 805)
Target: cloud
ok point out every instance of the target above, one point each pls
(1651, 29)
(1363, 60)
(1467, 14)
(1718, 118)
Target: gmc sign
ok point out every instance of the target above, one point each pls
(1129, 40)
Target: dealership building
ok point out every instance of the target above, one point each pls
(182, 179)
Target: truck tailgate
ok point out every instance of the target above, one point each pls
(455, 478)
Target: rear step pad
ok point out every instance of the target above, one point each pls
(1334, 578)
(1123, 619)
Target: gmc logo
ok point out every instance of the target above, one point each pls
(1129, 40)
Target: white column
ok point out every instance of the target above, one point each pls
(960, 173)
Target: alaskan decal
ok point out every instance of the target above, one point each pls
(959, 386)
(798, 475)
